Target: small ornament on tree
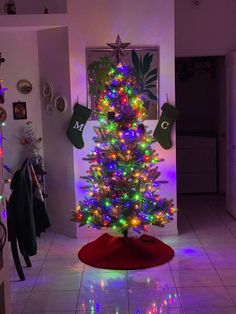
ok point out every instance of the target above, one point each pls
(30, 140)
(123, 180)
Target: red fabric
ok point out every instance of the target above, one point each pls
(125, 253)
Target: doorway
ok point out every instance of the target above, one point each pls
(200, 128)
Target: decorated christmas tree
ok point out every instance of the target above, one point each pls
(123, 182)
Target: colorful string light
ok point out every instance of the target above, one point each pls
(122, 182)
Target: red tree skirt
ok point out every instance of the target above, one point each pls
(125, 253)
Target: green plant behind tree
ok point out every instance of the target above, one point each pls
(146, 77)
(98, 75)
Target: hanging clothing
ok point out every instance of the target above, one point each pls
(26, 209)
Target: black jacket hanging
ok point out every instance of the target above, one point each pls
(27, 216)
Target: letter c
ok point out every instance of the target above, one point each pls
(165, 125)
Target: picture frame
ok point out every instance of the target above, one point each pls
(144, 65)
(60, 103)
(24, 86)
(47, 91)
(19, 110)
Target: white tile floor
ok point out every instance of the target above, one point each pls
(201, 279)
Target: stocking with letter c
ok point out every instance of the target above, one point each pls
(163, 129)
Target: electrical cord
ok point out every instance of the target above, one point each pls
(3, 237)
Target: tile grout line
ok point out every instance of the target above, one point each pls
(185, 310)
(189, 220)
(177, 290)
(27, 300)
(127, 288)
(211, 206)
(77, 302)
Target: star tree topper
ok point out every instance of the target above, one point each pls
(118, 48)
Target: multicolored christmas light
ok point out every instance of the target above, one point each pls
(122, 182)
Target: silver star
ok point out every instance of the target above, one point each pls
(118, 48)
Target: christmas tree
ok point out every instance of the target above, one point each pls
(123, 180)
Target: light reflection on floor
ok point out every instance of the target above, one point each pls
(201, 279)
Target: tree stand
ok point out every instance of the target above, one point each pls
(125, 252)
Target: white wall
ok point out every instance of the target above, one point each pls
(21, 54)
(36, 7)
(146, 23)
(58, 152)
(207, 30)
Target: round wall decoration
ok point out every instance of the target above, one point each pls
(60, 103)
(3, 114)
(47, 92)
(24, 87)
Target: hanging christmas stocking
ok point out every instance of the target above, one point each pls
(163, 129)
(77, 123)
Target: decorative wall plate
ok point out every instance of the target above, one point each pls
(47, 92)
(3, 114)
(24, 87)
(60, 103)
